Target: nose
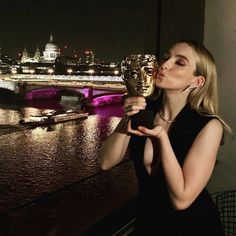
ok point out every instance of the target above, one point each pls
(164, 65)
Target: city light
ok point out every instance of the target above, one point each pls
(116, 72)
(69, 71)
(14, 70)
(90, 71)
(50, 71)
(52, 61)
(28, 71)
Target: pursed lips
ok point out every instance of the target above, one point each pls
(160, 75)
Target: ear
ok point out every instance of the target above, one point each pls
(199, 81)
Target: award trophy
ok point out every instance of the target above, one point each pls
(138, 75)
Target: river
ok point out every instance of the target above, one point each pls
(41, 160)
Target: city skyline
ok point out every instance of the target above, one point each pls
(111, 30)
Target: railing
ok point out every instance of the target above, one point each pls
(62, 77)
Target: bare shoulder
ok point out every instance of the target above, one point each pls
(208, 140)
(213, 127)
(215, 124)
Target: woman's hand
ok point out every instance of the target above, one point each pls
(156, 132)
(133, 105)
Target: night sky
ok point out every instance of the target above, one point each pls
(112, 29)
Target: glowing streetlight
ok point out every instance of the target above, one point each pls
(50, 71)
(69, 71)
(116, 72)
(14, 71)
(91, 71)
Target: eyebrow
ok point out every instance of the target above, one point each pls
(182, 56)
(178, 55)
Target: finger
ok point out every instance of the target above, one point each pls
(144, 130)
(132, 131)
(130, 113)
(138, 133)
(156, 131)
(133, 108)
(135, 100)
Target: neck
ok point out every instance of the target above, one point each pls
(172, 105)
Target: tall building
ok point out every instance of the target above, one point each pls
(51, 51)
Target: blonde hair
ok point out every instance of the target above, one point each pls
(205, 99)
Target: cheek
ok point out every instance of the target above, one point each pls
(176, 74)
(181, 76)
(175, 80)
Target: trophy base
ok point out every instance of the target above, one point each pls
(143, 118)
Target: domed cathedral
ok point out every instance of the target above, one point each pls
(51, 51)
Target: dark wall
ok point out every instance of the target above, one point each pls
(151, 21)
(172, 20)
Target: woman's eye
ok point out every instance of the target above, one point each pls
(180, 63)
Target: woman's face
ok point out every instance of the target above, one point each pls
(176, 71)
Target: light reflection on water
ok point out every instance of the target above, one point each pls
(41, 160)
(9, 116)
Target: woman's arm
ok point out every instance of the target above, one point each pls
(115, 146)
(185, 183)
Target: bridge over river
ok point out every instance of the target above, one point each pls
(97, 90)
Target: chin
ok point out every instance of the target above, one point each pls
(159, 84)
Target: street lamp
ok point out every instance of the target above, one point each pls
(116, 72)
(69, 71)
(50, 71)
(91, 71)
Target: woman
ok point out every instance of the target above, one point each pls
(174, 160)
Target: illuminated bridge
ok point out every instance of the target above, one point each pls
(96, 90)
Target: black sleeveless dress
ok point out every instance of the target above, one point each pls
(155, 214)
